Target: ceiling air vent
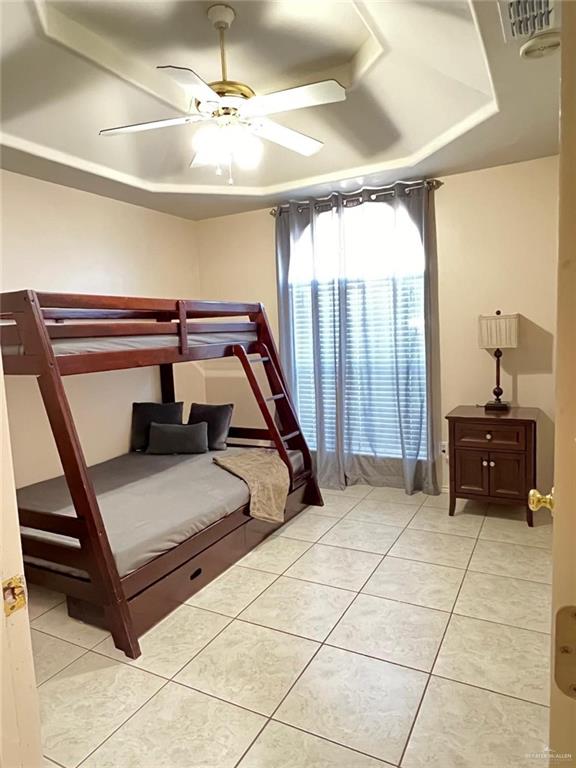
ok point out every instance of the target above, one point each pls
(524, 18)
(534, 23)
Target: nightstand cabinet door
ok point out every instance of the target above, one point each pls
(508, 476)
(472, 472)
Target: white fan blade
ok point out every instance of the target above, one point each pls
(152, 125)
(286, 137)
(326, 92)
(188, 79)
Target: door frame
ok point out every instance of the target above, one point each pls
(563, 707)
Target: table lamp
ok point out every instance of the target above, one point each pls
(498, 332)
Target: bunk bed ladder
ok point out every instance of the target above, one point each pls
(284, 428)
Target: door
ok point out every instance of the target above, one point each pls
(563, 706)
(508, 475)
(472, 472)
(20, 726)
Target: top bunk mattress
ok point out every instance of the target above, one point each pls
(149, 504)
(83, 346)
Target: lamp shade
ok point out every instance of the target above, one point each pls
(498, 331)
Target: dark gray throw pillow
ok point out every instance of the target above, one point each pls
(178, 438)
(218, 418)
(143, 414)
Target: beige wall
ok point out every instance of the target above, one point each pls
(59, 239)
(497, 234)
(497, 248)
(237, 262)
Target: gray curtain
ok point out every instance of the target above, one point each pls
(358, 310)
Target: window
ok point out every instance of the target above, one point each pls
(361, 273)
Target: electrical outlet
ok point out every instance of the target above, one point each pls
(444, 449)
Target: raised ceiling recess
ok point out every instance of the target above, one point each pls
(430, 87)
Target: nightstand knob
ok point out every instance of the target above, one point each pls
(492, 464)
(488, 436)
(484, 463)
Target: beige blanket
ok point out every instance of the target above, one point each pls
(266, 476)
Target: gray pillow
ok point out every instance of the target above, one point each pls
(218, 418)
(143, 414)
(178, 438)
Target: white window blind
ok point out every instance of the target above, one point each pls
(360, 273)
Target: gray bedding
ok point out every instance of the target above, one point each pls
(120, 343)
(149, 504)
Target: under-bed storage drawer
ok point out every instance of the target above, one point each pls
(501, 436)
(167, 594)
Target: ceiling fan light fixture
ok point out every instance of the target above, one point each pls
(235, 119)
(223, 143)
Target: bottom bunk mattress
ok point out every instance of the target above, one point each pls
(149, 504)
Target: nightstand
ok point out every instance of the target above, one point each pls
(492, 455)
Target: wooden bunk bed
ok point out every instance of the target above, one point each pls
(52, 335)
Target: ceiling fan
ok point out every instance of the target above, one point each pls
(234, 118)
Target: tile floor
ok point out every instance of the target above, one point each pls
(373, 631)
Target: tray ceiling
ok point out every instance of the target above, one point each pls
(432, 87)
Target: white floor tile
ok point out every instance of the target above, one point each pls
(51, 655)
(515, 560)
(308, 526)
(231, 592)
(282, 746)
(366, 537)
(180, 728)
(399, 632)
(497, 657)
(351, 491)
(300, 607)
(334, 506)
(397, 495)
(169, 645)
(275, 554)
(442, 501)
(361, 703)
(41, 600)
(437, 548)
(432, 586)
(382, 512)
(84, 703)
(515, 530)
(520, 603)
(463, 727)
(334, 566)
(251, 666)
(439, 521)
(56, 622)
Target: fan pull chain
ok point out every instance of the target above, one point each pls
(230, 178)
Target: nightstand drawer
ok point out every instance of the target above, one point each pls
(493, 435)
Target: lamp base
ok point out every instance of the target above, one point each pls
(497, 405)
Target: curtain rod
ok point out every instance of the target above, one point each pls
(354, 198)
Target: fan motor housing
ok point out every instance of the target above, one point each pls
(232, 88)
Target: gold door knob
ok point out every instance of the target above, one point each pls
(536, 500)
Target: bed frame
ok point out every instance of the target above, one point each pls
(127, 606)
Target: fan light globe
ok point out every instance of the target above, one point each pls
(248, 150)
(223, 144)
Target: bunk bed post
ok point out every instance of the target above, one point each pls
(167, 388)
(102, 564)
(312, 495)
